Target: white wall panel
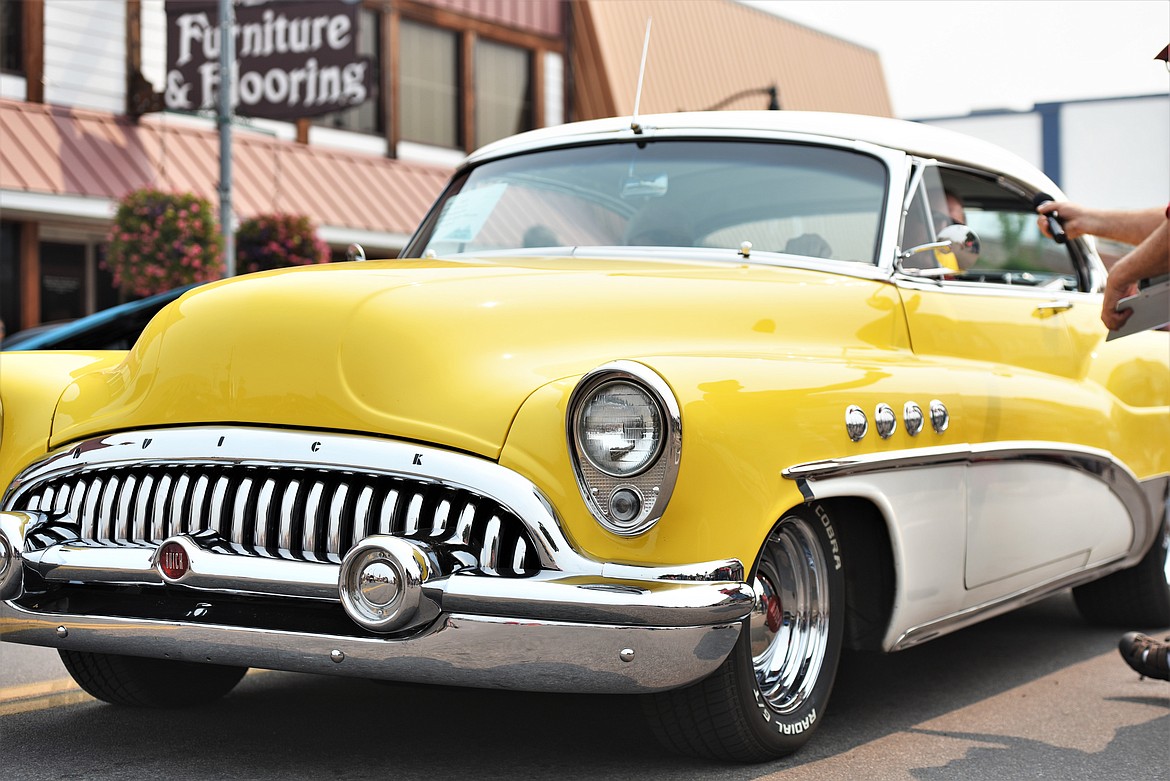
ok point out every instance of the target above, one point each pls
(154, 43)
(1018, 133)
(85, 54)
(13, 87)
(1116, 153)
(554, 89)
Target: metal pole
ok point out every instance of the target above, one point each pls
(224, 120)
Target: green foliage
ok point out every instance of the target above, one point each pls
(1019, 255)
(269, 241)
(162, 240)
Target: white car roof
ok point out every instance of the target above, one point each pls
(913, 137)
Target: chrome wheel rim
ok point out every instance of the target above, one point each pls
(789, 624)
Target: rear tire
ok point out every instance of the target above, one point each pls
(770, 694)
(149, 683)
(1134, 597)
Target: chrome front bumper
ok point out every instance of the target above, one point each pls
(603, 629)
(420, 604)
(458, 650)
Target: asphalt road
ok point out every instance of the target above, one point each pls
(1035, 694)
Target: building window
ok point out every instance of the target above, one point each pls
(63, 286)
(503, 91)
(11, 39)
(429, 85)
(10, 308)
(366, 118)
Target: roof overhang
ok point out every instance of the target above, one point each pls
(62, 163)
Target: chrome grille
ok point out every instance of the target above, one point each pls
(299, 513)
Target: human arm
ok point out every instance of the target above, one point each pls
(1148, 259)
(1130, 226)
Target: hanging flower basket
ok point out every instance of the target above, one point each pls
(163, 240)
(269, 241)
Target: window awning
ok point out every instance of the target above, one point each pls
(70, 163)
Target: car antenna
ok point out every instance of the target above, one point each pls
(634, 124)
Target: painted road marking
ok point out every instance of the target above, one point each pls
(40, 696)
(43, 695)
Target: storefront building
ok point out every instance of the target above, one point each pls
(85, 114)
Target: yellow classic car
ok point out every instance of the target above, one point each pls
(678, 407)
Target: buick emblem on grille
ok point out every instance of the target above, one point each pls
(173, 561)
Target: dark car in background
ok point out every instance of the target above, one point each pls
(116, 328)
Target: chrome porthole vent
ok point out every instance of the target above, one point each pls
(913, 418)
(856, 423)
(940, 419)
(885, 420)
(624, 433)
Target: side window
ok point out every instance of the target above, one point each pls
(1012, 251)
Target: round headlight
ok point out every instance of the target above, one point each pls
(619, 428)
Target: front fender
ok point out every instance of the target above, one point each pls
(30, 386)
(745, 419)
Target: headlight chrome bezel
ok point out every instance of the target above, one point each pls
(652, 481)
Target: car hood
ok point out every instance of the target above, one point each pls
(437, 351)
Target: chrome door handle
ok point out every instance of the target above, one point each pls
(1052, 307)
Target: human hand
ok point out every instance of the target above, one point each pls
(1115, 290)
(1075, 219)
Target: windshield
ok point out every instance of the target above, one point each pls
(799, 199)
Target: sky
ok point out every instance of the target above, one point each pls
(998, 54)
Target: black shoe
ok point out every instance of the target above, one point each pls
(1149, 657)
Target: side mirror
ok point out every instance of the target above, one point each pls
(964, 243)
(958, 240)
(355, 252)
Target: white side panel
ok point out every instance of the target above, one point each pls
(925, 511)
(85, 54)
(1032, 522)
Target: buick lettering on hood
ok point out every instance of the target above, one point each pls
(678, 408)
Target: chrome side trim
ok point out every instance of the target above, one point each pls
(459, 650)
(1138, 499)
(976, 613)
(1144, 501)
